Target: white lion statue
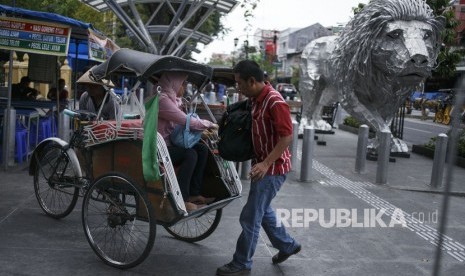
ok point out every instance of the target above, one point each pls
(382, 55)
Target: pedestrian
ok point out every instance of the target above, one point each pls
(22, 91)
(61, 91)
(272, 134)
(424, 110)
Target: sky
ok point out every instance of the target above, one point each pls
(278, 15)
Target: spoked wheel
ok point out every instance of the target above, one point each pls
(198, 228)
(118, 221)
(55, 182)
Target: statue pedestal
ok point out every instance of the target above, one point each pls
(372, 156)
(400, 154)
(320, 131)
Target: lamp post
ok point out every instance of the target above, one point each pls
(261, 42)
(236, 40)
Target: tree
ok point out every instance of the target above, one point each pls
(69, 8)
(449, 56)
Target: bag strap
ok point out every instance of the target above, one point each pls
(188, 121)
(187, 130)
(192, 106)
(188, 117)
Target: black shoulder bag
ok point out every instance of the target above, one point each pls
(235, 132)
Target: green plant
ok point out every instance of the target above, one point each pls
(351, 121)
(460, 144)
(431, 143)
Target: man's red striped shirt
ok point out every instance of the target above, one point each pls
(271, 121)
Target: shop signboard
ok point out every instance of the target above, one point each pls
(34, 36)
(100, 47)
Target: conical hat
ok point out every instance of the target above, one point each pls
(85, 79)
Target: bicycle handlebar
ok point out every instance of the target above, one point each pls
(82, 115)
(70, 113)
(131, 116)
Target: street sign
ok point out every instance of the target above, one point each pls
(277, 64)
(100, 48)
(34, 36)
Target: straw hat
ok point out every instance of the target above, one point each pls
(85, 79)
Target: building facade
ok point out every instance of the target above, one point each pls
(290, 44)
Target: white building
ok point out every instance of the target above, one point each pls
(291, 43)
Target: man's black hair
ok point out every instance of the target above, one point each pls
(247, 69)
(25, 80)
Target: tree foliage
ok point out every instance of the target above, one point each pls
(249, 6)
(449, 56)
(69, 8)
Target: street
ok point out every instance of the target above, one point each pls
(419, 132)
(343, 220)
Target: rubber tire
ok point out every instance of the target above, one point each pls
(208, 231)
(48, 153)
(151, 222)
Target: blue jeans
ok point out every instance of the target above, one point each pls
(258, 212)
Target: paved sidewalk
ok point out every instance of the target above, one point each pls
(34, 244)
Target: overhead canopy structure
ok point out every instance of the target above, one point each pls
(172, 27)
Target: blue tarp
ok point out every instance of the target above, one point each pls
(82, 60)
(428, 95)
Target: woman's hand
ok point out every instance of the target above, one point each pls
(206, 134)
(214, 127)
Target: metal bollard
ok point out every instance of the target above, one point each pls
(125, 95)
(295, 143)
(141, 103)
(384, 150)
(307, 154)
(9, 130)
(439, 160)
(141, 96)
(360, 160)
(338, 116)
(245, 169)
(63, 129)
(132, 103)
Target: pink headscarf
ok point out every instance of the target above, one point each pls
(171, 82)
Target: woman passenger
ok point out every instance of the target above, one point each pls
(191, 161)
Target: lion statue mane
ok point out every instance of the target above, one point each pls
(381, 56)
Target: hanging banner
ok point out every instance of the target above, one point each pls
(100, 48)
(34, 36)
